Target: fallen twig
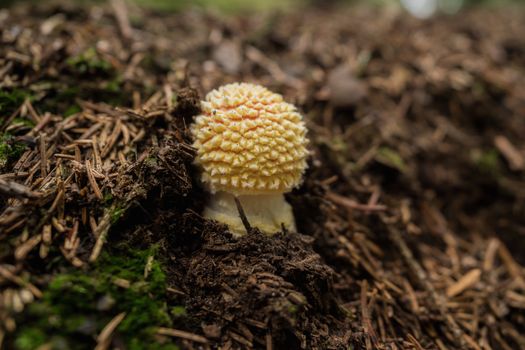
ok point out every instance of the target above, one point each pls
(14, 189)
(351, 204)
(182, 334)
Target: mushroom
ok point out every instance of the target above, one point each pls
(251, 147)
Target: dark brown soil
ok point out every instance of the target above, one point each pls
(411, 217)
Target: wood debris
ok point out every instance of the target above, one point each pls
(410, 216)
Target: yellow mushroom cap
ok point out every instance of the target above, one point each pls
(249, 141)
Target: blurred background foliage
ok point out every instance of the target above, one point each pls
(229, 6)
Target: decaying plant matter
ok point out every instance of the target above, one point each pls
(410, 218)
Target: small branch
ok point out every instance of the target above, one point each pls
(510, 152)
(14, 189)
(182, 334)
(102, 231)
(109, 218)
(365, 315)
(121, 13)
(92, 181)
(466, 281)
(351, 204)
(104, 338)
(43, 156)
(244, 219)
(5, 273)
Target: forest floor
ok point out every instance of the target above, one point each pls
(411, 217)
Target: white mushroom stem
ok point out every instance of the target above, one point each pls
(267, 212)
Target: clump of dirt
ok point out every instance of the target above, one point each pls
(246, 289)
(410, 218)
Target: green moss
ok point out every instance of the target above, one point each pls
(152, 162)
(116, 214)
(74, 109)
(114, 85)
(292, 309)
(391, 158)
(23, 121)
(10, 100)
(30, 338)
(108, 198)
(10, 150)
(178, 311)
(58, 97)
(235, 6)
(228, 6)
(89, 62)
(73, 312)
(487, 161)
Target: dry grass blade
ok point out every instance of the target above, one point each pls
(353, 205)
(514, 157)
(182, 334)
(92, 181)
(14, 189)
(43, 155)
(4, 272)
(121, 13)
(104, 338)
(465, 282)
(367, 324)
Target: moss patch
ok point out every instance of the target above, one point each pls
(78, 304)
(228, 6)
(391, 158)
(11, 100)
(23, 121)
(89, 62)
(487, 161)
(10, 150)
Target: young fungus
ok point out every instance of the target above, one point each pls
(250, 145)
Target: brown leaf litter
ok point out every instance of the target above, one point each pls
(411, 217)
